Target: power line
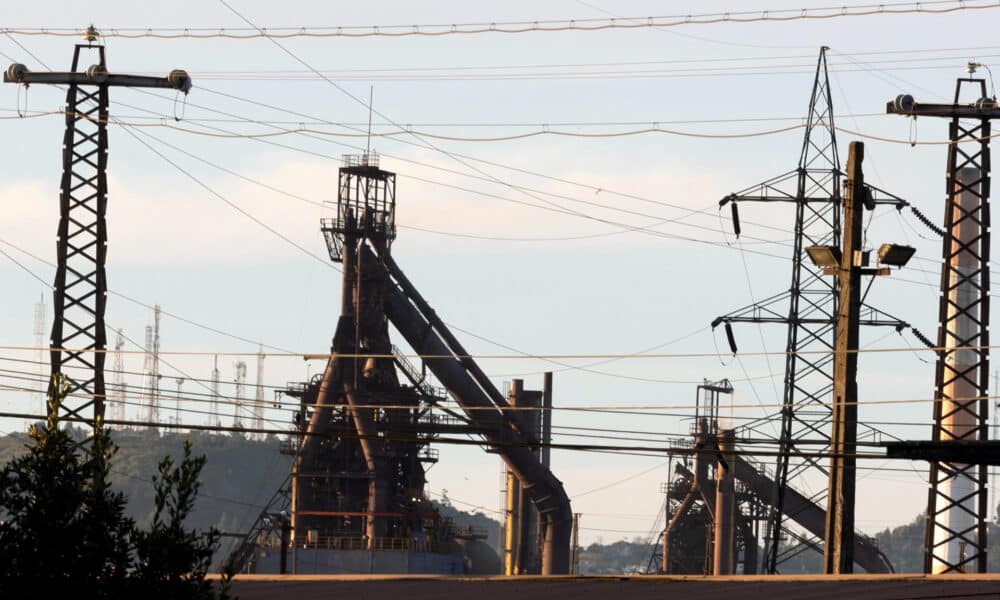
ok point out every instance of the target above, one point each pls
(929, 7)
(371, 110)
(227, 201)
(516, 136)
(483, 356)
(453, 441)
(694, 73)
(648, 229)
(641, 409)
(292, 405)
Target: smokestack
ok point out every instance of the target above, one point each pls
(958, 406)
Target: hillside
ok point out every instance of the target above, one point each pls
(240, 475)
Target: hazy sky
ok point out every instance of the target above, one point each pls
(606, 292)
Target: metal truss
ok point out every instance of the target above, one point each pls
(79, 340)
(957, 498)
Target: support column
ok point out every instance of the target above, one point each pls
(838, 550)
(513, 540)
(725, 506)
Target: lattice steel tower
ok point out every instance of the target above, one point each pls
(957, 503)
(79, 340)
(808, 307)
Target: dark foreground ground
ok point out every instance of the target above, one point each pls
(791, 587)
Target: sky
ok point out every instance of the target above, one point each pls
(558, 279)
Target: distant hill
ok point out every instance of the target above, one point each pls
(477, 521)
(241, 475)
(904, 546)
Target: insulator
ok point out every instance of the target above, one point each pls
(903, 103)
(736, 220)
(179, 80)
(16, 72)
(986, 103)
(98, 73)
(868, 199)
(730, 337)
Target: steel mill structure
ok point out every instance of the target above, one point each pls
(356, 500)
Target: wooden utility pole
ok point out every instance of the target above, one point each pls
(838, 554)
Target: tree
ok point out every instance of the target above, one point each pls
(171, 561)
(60, 524)
(64, 531)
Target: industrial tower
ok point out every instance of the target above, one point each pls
(78, 344)
(118, 396)
(240, 382)
(215, 418)
(366, 423)
(151, 370)
(258, 404)
(808, 308)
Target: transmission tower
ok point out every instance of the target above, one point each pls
(216, 416)
(241, 382)
(957, 503)
(146, 390)
(118, 378)
(177, 409)
(808, 308)
(39, 350)
(258, 406)
(78, 341)
(153, 368)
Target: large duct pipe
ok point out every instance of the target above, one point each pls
(958, 404)
(428, 335)
(378, 491)
(806, 513)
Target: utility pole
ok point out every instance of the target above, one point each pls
(848, 263)
(957, 505)
(838, 549)
(78, 343)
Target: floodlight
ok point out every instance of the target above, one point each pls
(824, 256)
(895, 255)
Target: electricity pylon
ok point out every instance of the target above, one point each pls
(79, 341)
(809, 307)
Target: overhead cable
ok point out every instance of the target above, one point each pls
(929, 7)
